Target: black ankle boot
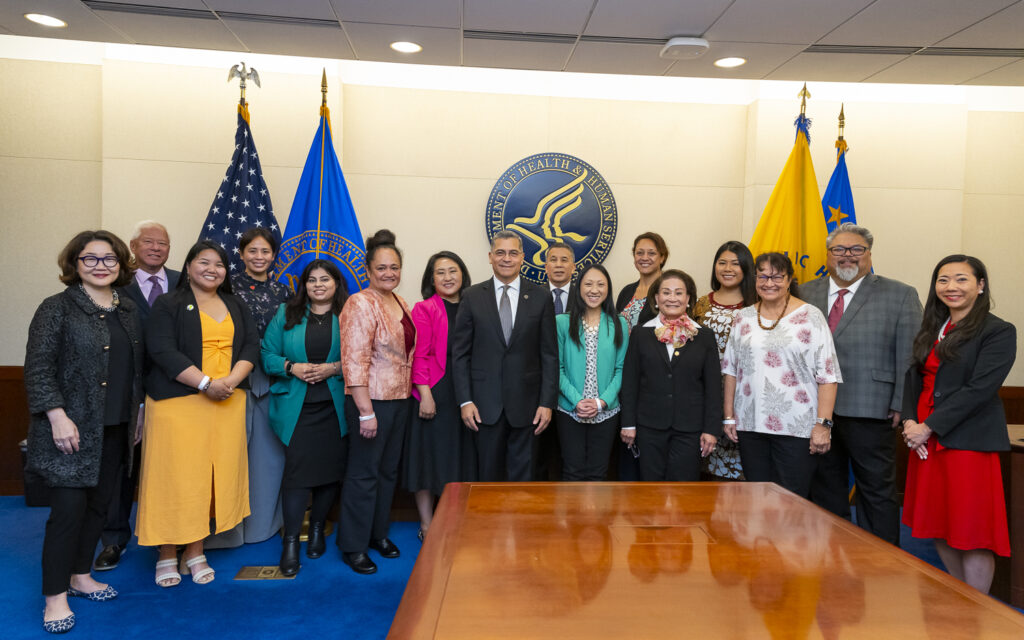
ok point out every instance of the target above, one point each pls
(289, 555)
(316, 545)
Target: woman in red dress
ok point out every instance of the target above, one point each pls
(954, 422)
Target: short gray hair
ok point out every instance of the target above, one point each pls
(850, 227)
(505, 234)
(147, 224)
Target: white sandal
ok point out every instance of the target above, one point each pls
(197, 577)
(169, 572)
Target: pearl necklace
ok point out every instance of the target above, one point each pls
(777, 320)
(114, 302)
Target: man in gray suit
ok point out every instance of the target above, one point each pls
(873, 321)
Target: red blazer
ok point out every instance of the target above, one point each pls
(428, 359)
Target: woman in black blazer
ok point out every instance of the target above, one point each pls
(953, 420)
(203, 344)
(672, 386)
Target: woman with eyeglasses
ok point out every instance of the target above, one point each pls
(781, 375)
(83, 379)
(732, 288)
(953, 420)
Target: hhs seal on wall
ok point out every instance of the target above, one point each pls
(554, 196)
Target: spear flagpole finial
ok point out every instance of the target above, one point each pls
(803, 95)
(323, 88)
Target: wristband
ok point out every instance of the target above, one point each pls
(205, 383)
(288, 367)
(367, 418)
(729, 421)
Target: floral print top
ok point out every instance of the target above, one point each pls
(778, 372)
(262, 297)
(717, 317)
(632, 311)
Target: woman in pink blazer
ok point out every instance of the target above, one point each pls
(438, 449)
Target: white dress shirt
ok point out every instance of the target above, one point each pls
(565, 295)
(513, 295)
(833, 293)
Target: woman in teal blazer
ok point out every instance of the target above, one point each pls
(591, 349)
(302, 353)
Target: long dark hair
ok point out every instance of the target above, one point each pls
(746, 261)
(691, 289)
(778, 262)
(427, 286)
(577, 307)
(936, 313)
(296, 307)
(197, 248)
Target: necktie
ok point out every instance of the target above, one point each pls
(837, 310)
(505, 314)
(155, 290)
(558, 302)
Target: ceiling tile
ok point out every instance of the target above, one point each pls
(177, 4)
(168, 31)
(939, 69)
(531, 16)
(318, 9)
(372, 42)
(545, 56)
(82, 23)
(1002, 30)
(292, 40)
(656, 19)
(782, 21)
(833, 67)
(1012, 75)
(608, 57)
(761, 60)
(424, 13)
(912, 23)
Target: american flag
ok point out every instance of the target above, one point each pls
(242, 201)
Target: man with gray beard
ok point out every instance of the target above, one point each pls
(873, 321)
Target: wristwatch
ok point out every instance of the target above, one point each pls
(288, 368)
(825, 422)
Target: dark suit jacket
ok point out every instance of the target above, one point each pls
(968, 412)
(133, 291)
(684, 394)
(625, 295)
(873, 343)
(517, 378)
(174, 341)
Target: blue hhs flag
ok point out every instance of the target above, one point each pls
(242, 201)
(322, 223)
(837, 203)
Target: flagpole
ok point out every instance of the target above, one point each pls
(841, 145)
(243, 74)
(324, 124)
(803, 95)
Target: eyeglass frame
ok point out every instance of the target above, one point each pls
(777, 278)
(840, 251)
(97, 260)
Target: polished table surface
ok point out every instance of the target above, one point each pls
(672, 560)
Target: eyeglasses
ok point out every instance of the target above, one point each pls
(856, 250)
(91, 261)
(777, 278)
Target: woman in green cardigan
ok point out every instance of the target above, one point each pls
(301, 352)
(591, 348)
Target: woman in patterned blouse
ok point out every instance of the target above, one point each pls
(732, 288)
(650, 253)
(781, 375)
(591, 348)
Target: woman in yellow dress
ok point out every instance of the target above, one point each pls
(203, 344)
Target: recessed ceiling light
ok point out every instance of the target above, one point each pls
(45, 20)
(406, 47)
(729, 63)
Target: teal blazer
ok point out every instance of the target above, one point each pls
(572, 362)
(287, 393)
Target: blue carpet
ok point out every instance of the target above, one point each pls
(325, 600)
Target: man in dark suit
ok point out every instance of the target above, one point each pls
(150, 247)
(505, 360)
(873, 321)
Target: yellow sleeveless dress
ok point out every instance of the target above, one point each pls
(194, 461)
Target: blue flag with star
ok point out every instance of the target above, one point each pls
(837, 203)
(322, 223)
(242, 200)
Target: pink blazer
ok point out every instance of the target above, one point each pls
(428, 359)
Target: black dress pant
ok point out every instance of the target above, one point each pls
(76, 518)
(586, 448)
(869, 446)
(506, 452)
(118, 528)
(784, 460)
(668, 455)
(372, 473)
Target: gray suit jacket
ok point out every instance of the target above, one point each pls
(873, 341)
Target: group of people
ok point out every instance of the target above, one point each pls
(252, 401)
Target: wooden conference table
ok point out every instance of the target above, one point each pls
(672, 560)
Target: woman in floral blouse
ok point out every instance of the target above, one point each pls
(781, 375)
(732, 288)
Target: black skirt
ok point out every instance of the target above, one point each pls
(317, 453)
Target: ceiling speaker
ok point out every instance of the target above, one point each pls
(683, 48)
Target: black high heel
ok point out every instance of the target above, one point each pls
(289, 555)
